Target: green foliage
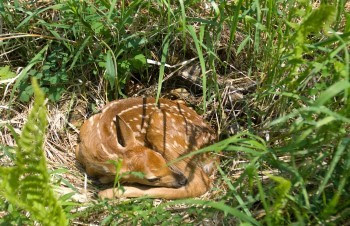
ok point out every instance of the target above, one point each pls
(26, 185)
(6, 73)
(118, 72)
(14, 216)
(318, 19)
(26, 91)
(294, 127)
(118, 166)
(280, 201)
(91, 33)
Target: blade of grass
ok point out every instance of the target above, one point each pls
(219, 146)
(242, 45)
(332, 91)
(112, 67)
(332, 39)
(220, 206)
(183, 22)
(38, 58)
(318, 110)
(331, 206)
(26, 20)
(202, 63)
(166, 42)
(257, 27)
(111, 8)
(78, 53)
(233, 28)
(262, 196)
(233, 190)
(347, 64)
(341, 148)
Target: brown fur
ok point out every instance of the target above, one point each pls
(145, 137)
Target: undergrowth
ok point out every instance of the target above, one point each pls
(26, 185)
(288, 137)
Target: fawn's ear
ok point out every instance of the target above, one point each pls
(125, 135)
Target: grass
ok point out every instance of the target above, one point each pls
(274, 82)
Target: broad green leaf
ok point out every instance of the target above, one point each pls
(6, 73)
(242, 45)
(332, 91)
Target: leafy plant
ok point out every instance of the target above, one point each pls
(281, 198)
(27, 185)
(6, 73)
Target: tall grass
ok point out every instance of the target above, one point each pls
(293, 139)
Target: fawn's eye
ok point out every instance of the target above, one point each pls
(153, 179)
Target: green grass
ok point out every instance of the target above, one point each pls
(288, 160)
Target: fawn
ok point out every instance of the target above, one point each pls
(146, 136)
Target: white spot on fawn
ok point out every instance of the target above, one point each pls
(162, 105)
(106, 109)
(104, 149)
(114, 103)
(98, 130)
(131, 108)
(123, 111)
(178, 115)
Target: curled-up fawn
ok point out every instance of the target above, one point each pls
(147, 136)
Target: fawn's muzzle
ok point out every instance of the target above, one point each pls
(180, 179)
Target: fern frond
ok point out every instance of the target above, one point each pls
(27, 184)
(281, 192)
(320, 18)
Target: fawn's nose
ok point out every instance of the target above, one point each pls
(181, 179)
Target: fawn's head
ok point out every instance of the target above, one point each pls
(139, 158)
